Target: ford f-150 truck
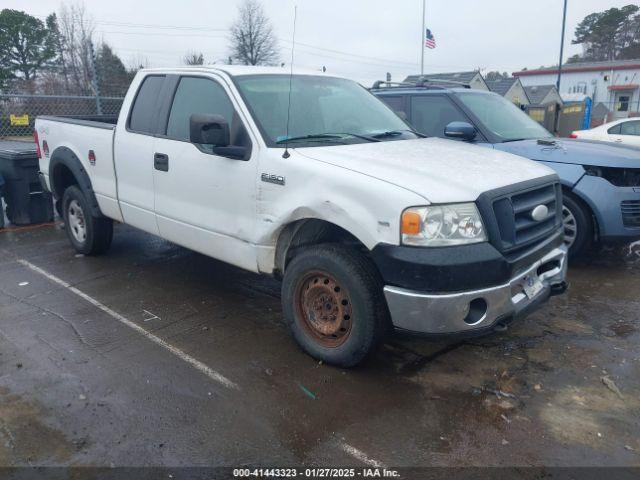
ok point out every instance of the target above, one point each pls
(310, 178)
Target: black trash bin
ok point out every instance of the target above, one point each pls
(1, 195)
(27, 202)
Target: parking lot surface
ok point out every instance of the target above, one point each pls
(155, 355)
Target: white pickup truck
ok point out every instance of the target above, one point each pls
(310, 178)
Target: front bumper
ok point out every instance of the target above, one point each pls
(476, 310)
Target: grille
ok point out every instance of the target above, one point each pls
(631, 213)
(518, 231)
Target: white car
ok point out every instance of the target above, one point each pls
(312, 179)
(626, 131)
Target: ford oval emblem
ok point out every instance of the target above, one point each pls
(540, 213)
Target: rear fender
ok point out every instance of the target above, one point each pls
(64, 156)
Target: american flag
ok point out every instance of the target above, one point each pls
(430, 41)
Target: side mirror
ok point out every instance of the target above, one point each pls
(208, 129)
(460, 130)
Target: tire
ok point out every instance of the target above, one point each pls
(333, 302)
(88, 234)
(578, 226)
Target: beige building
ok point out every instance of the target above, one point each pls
(511, 89)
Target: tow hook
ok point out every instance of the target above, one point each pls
(559, 288)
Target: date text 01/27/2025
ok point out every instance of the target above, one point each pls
(367, 472)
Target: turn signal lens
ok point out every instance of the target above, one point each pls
(411, 223)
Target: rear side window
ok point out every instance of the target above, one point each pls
(431, 113)
(615, 130)
(144, 111)
(197, 95)
(630, 128)
(396, 103)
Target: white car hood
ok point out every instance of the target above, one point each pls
(441, 171)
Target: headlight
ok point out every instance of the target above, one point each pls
(442, 225)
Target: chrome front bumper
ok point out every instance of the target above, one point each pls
(477, 309)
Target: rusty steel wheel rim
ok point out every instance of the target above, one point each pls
(324, 308)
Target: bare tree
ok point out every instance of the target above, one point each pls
(253, 41)
(75, 30)
(193, 58)
(138, 62)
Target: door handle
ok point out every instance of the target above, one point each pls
(161, 162)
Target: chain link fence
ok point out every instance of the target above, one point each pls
(18, 112)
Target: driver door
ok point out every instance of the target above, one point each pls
(204, 201)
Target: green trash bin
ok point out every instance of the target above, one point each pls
(27, 202)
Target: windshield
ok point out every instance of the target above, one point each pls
(324, 111)
(503, 118)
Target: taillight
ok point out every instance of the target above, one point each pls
(35, 138)
(573, 135)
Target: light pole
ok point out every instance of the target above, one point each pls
(564, 21)
(422, 37)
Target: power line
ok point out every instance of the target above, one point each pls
(367, 60)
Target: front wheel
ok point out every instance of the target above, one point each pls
(578, 226)
(333, 302)
(88, 234)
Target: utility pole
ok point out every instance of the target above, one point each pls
(95, 80)
(422, 37)
(564, 21)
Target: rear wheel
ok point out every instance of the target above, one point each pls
(88, 234)
(333, 302)
(578, 226)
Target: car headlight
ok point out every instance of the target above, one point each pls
(442, 225)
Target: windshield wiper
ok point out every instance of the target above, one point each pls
(395, 133)
(315, 136)
(514, 140)
(327, 136)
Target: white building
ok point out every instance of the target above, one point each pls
(615, 84)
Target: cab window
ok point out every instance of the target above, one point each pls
(144, 112)
(203, 95)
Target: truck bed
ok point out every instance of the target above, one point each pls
(78, 137)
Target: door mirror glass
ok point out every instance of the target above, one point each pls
(209, 129)
(460, 130)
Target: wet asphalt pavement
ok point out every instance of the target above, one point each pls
(80, 387)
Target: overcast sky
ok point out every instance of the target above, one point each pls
(361, 39)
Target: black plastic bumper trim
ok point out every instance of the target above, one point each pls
(453, 269)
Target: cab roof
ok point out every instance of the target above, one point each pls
(237, 70)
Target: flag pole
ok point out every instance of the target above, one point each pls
(422, 37)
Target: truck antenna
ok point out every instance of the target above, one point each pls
(286, 153)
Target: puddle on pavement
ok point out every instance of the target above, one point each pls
(592, 416)
(24, 438)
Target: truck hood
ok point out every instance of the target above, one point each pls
(440, 170)
(580, 152)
